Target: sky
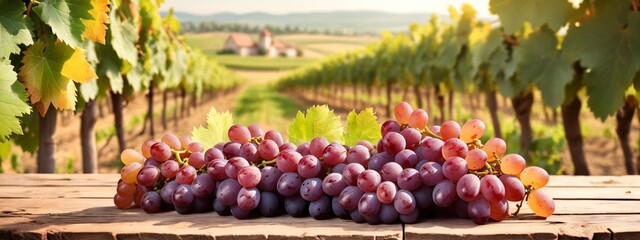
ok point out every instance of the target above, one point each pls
(203, 7)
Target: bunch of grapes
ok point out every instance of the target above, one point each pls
(412, 172)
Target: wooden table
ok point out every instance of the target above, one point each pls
(35, 206)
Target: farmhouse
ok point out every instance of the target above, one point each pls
(242, 44)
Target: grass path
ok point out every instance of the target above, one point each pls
(261, 103)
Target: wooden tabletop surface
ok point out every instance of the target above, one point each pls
(60, 206)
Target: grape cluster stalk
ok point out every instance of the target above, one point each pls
(413, 172)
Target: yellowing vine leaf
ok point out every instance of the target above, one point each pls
(96, 30)
(66, 18)
(318, 121)
(218, 124)
(362, 126)
(47, 73)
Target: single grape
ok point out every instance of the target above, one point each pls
(431, 173)
(351, 172)
(239, 133)
(333, 184)
(358, 154)
(288, 146)
(444, 193)
(435, 129)
(454, 148)
(268, 149)
(492, 188)
(386, 192)
(449, 129)
(248, 198)
(160, 151)
(220, 145)
(227, 192)
(269, 177)
(196, 160)
(182, 195)
(221, 209)
(172, 141)
(311, 189)
(317, 145)
(274, 136)
(296, 206)
(184, 209)
(388, 214)
(338, 168)
(533, 176)
(369, 204)
(365, 143)
(479, 210)
(304, 149)
(338, 210)
(234, 165)
(216, 169)
(369, 180)
(390, 171)
(468, 187)
(151, 202)
(287, 161)
(334, 154)
(357, 217)
(129, 173)
(184, 141)
(125, 189)
(512, 164)
(418, 119)
(409, 179)
(129, 155)
(148, 176)
(320, 208)
(249, 176)
(212, 154)
(231, 149)
(289, 184)
(454, 168)
(186, 174)
(269, 205)
(476, 159)
(412, 137)
(423, 196)
(203, 186)
(513, 188)
(494, 147)
(432, 149)
(249, 151)
(461, 208)
(309, 166)
(406, 158)
(411, 217)
(393, 142)
(122, 202)
(377, 161)
(166, 193)
(390, 126)
(349, 197)
(472, 130)
(402, 112)
(195, 147)
(255, 130)
(541, 203)
(146, 148)
(499, 210)
(239, 213)
(202, 205)
(404, 202)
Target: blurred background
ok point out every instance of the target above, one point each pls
(555, 79)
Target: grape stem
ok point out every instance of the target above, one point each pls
(178, 158)
(526, 197)
(266, 163)
(431, 134)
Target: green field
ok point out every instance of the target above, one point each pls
(313, 48)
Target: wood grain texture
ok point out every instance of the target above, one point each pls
(35, 206)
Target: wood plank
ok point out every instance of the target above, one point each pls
(597, 227)
(595, 181)
(45, 180)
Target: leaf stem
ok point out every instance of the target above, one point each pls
(266, 163)
(526, 197)
(431, 134)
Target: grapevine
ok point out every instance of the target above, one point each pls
(411, 171)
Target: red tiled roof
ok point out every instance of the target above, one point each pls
(278, 44)
(265, 32)
(242, 40)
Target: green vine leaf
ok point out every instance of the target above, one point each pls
(362, 126)
(12, 102)
(66, 18)
(13, 28)
(318, 121)
(218, 123)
